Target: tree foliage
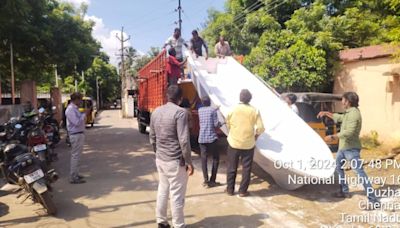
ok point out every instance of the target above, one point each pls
(107, 76)
(46, 34)
(134, 62)
(294, 44)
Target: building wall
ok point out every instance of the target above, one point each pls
(379, 94)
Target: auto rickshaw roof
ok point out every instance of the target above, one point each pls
(83, 98)
(316, 97)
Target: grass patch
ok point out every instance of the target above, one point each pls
(370, 141)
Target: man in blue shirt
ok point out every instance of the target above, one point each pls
(76, 122)
(208, 120)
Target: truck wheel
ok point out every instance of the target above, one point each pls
(142, 128)
(47, 202)
(334, 148)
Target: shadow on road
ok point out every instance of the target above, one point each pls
(148, 222)
(4, 209)
(232, 221)
(114, 160)
(19, 221)
(310, 192)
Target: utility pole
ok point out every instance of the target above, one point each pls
(180, 15)
(12, 73)
(98, 97)
(1, 96)
(122, 73)
(83, 83)
(56, 75)
(76, 81)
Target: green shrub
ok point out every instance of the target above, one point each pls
(370, 141)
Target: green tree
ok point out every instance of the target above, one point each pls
(68, 85)
(107, 77)
(294, 45)
(44, 33)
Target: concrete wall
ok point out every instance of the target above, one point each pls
(379, 93)
(56, 100)
(8, 111)
(28, 92)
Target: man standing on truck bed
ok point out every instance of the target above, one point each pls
(197, 43)
(222, 48)
(173, 67)
(170, 137)
(177, 42)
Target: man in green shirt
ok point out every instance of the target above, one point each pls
(350, 146)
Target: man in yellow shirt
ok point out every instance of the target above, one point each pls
(245, 125)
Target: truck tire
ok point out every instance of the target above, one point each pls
(334, 148)
(141, 126)
(47, 202)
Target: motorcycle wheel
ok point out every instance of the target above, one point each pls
(4, 174)
(47, 202)
(42, 157)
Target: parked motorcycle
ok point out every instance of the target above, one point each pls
(20, 167)
(50, 126)
(37, 141)
(28, 131)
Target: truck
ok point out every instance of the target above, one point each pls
(222, 80)
(152, 84)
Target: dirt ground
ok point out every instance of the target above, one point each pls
(122, 182)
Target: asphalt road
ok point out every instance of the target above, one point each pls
(122, 182)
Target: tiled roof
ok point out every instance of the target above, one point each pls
(369, 52)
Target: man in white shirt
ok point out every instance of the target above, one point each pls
(176, 41)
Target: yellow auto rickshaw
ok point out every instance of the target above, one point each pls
(310, 104)
(86, 105)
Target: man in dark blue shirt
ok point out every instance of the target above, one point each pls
(208, 120)
(196, 45)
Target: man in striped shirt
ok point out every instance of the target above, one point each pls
(208, 120)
